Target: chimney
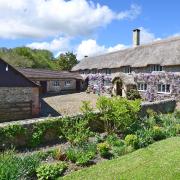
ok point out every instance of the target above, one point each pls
(136, 37)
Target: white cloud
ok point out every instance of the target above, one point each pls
(174, 35)
(59, 44)
(42, 18)
(117, 47)
(146, 36)
(90, 48)
(131, 14)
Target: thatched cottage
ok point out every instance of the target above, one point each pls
(155, 68)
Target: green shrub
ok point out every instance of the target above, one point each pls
(177, 115)
(118, 151)
(177, 126)
(133, 94)
(145, 137)
(131, 140)
(98, 138)
(104, 149)
(118, 114)
(128, 149)
(10, 133)
(170, 124)
(81, 155)
(58, 154)
(113, 140)
(40, 128)
(16, 167)
(158, 133)
(76, 131)
(50, 171)
(86, 107)
(13, 130)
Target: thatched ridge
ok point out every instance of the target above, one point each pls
(164, 52)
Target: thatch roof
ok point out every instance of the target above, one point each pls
(48, 74)
(127, 79)
(163, 52)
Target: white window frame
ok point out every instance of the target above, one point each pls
(67, 83)
(56, 83)
(142, 86)
(156, 67)
(164, 88)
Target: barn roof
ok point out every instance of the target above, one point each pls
(10, 77)
(48, 74)
(164, 52)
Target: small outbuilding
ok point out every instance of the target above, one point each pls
(51, 81)
(123, 83)
(19, 96)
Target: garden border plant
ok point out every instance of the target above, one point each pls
(125, 132)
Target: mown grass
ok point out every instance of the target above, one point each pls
(160, 160)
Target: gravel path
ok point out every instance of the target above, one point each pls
(68, 104)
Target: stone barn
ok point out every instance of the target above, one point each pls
(51, 81)
(19, 96)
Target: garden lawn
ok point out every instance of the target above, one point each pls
(160, 160)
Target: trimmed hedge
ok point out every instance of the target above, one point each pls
(34, 133)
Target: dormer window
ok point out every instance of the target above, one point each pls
(127, 69)
(156, 67)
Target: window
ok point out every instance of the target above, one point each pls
(127, 69)
(94, 71)
(67, 83)
(164, 88)
(155, 67)
(142, 86)
(56, 83)
(107, 82)
(108, 71)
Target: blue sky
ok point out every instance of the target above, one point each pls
(84, 27)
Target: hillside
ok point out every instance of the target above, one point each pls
(160, 160)
(26, 57)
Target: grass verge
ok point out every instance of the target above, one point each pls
(160, 160)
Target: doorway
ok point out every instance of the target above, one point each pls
(43, 88)
(119, 88)
(78, 85)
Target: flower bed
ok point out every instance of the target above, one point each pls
(79, 145)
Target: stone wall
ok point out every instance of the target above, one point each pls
(18, 103)
(163, 106)
(51, 126)
(15, 111)
(62, 87)
(15, 94)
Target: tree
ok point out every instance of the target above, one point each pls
(67, 61)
